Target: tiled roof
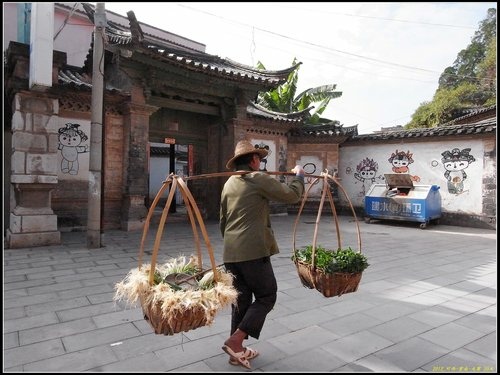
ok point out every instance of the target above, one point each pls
(215, 65)
(156, 49)
(480, 127)
(76, 79)
(256, 110)
(325, 131)
(121, 34)
(473, 113)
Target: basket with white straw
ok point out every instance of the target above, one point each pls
(178, 295)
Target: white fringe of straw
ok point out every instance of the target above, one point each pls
(135, 286)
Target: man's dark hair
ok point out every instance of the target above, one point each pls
(244, 159)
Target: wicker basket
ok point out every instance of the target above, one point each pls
(182, 317)
(176, 322)
(334, 284)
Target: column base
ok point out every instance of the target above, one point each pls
(21, 240)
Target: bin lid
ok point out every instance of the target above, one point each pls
(398, 180)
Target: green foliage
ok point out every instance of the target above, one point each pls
(331, 261)
(465, 67)
(487, 73)
(422, 117)
(446, 105)
(173, 272)
(284, 99)
(469, 83)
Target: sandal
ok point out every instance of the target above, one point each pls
(240, 358)
(249, 354)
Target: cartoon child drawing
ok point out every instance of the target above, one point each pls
(400, 161)
(263, 162)
(455, 162)
(365, 172)
(70, 138)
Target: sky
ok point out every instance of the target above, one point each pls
(385, 58)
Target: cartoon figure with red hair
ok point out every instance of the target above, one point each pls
(400, 161)
(455, 162)
(366, 172)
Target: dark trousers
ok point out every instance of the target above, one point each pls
(253, 278)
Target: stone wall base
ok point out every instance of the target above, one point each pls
(23, 240)
(131, 225)
(447, 218)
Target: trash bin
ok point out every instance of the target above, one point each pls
(399, 199)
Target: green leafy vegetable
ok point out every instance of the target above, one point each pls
(331, 261)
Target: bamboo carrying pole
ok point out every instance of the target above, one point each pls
(176, 182)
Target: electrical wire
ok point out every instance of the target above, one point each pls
(66, 21)
(336, 50)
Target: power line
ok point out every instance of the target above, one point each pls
(390, 19)
(66, 20)
(321, 46)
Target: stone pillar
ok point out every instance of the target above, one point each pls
(136, 174)
(33, 173)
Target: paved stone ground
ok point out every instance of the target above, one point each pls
(426, 303)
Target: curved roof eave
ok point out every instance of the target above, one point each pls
(480, 127)
(134, 39)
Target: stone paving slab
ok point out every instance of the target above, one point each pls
(426, 303)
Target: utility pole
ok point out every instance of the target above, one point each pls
(95, 162)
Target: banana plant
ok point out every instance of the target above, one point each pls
(284, 99)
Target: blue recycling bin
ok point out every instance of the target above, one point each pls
(400, 199)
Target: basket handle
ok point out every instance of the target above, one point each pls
(194, 218)
(302, 204)
(159, 232)
(164, 186)
(304, 199)
(202, 226)
(325, 176)
(316, 224)
(356, 221)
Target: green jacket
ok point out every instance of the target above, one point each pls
(244, 214)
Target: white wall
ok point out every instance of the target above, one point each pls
(427, 168)
(76, 35)
(74, 39)
(159, 168)
(272, 155)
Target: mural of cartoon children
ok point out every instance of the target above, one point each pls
(366, 172)
(400, 161)
(263, 162)
(70, 138)
(455, 162)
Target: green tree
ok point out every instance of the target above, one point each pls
(446, 105)
(423, 117)
(284, 99)
(465, 67)
(469, 83)
(487, 73)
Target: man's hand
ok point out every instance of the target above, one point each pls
(298, 170)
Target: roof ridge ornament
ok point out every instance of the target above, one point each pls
(135, 28)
